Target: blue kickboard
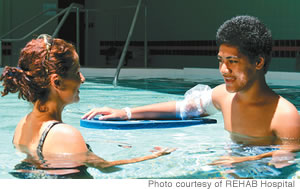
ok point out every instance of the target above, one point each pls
(142, 124)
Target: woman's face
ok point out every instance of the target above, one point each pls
(71, 85)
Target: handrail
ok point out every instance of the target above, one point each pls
(66, 11)
(77, 30)
(28, 21)
(121, 61)
(145, 35)
(112, 9)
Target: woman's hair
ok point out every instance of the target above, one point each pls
(250, 35)
(39, 59)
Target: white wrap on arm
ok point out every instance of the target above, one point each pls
(197, 101)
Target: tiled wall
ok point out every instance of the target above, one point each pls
(281, 48)
(286, 48)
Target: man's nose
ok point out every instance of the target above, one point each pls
(223, 67)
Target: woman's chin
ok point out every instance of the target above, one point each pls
(77, 100)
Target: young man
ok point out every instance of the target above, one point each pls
(253, 113)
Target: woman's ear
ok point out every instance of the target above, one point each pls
(260, 62)
(55, 81)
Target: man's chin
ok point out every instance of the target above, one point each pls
(230, 89)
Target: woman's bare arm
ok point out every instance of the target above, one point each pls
(95, 161)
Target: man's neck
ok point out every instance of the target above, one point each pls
(258, 92)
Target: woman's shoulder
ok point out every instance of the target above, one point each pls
(19, 129)
(64, 129)
(64, 138)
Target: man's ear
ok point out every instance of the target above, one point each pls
(260, 62)
(55, 81)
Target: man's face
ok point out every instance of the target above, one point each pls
(238, 72)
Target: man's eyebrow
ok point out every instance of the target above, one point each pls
(228, 57)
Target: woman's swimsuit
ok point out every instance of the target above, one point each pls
(28, 170)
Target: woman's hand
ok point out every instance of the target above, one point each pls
(107, 114)
(159, 151)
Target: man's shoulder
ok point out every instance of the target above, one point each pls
(286, 121)
(220, 95)
(286, 108)
(220, 90)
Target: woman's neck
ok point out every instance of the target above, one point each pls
(51, 110)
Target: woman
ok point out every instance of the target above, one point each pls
(48, 76)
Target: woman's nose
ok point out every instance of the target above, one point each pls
(82, 78)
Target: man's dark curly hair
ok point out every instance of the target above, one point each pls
(250, 35)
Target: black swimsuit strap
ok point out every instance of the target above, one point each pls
(43, 138)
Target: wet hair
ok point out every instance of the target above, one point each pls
(249, 35)
(39, 59)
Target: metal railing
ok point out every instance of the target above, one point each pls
(65, 11)
(121, 61)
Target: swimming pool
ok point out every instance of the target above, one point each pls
(196, 146)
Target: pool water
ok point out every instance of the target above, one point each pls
(197, 146)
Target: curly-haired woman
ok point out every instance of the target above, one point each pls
(48, 76)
